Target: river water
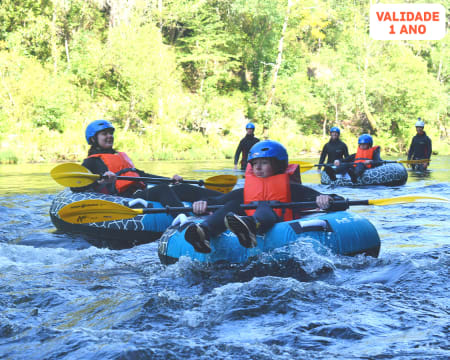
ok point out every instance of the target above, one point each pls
(62, 298)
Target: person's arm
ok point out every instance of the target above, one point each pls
(300, 193)
(431, 148)
(96, 166)
(377, 157)
(350, 158)
(303, 193)
(237, 194)
(411, 150)
(238, 153)
(323, 155)
(345, 150)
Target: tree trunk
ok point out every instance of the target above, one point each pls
(280, 55)
(11, 99)
(372, 121)
(336, 108)
(66, 45)
(53, 40)
(438, 77)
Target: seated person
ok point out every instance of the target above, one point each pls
(104, 160)
(268, 178)
(367, 156)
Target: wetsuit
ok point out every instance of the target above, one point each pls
(420, 147)
(335, 150)
(244, 146)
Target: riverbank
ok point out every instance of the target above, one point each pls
(53, 148)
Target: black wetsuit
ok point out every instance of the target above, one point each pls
(334, 150)
(244, 146)
(420, 147)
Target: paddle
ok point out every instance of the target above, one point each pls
(90, 211)
(306, 166)
(74, 175)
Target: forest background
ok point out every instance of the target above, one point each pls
(180, 78)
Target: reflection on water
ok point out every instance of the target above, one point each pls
(35, 178)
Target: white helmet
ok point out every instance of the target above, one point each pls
(420, 123)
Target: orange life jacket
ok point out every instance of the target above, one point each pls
(272, 188)
(120, 164)
(363, 155)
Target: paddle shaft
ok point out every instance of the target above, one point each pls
(90, 211)
(337, 205)
(150, 179)
(75, 175)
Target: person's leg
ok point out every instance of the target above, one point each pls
(265, 217)
(162, 193)
(343, 168)
(330, 172)
(198, 234)
(191, 193)
(359, 170)
(215, 224)
(246, 227)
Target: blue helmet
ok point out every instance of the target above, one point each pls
(365, 139)
(268, 149)
(250, 126)
(96, 126)
(335, 129)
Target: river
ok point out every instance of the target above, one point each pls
(62, 298)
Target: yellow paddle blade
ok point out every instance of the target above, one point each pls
(420, 161)
(222, 183)
(304, 165)
(91, 211)
(404, 199)
(73, 175)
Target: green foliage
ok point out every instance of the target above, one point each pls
(180, 79)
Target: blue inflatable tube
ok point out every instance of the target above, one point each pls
(343, 232)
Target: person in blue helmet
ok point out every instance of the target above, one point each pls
(420, 147)
(245, 145)
(268, 179)
(335, 149)
(367, 156)
(104, 160)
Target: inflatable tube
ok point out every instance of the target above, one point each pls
(342, 232)
(393, 174)
(118, 234)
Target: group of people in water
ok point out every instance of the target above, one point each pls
(336, 158)
(269, 180)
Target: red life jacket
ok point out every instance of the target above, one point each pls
(272, 188)
(120, 164)
(363, 155)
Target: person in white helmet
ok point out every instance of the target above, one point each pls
(420, 147)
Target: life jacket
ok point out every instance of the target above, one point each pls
(272, 188)
(120, 164)
(363, 155)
